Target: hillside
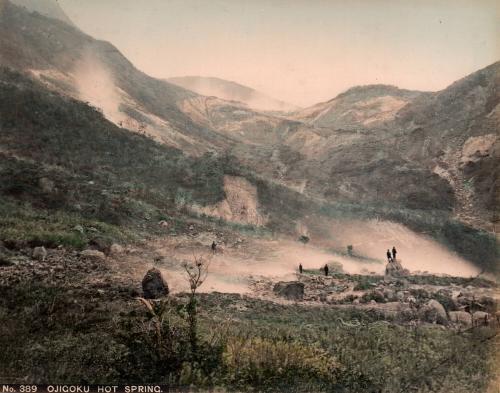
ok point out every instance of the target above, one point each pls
(77, 184)
(455, 132)
(370, 165)
(96, 72)
(232, 91)
(65, 159)
(359, 108)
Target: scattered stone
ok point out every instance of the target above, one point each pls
(79, 229)
(480, 318)
(39, 253)
(389, 294)
(100, 244)
(292, 290)
(94, 255)
(153, 285)
(433, 312)
(115, 249)
(461, 317)
(5, 256)
(46, 185)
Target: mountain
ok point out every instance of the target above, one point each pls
(232, 91)
(451, 133)
(455, 132)
(75, 64)
(361, 107)
(49, 8)
(373, 151)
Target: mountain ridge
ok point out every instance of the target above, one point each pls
(232, 91)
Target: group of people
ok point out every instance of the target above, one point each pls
(391, 257)
(324, 268)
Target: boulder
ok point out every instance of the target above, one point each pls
(78, 228)
(153, 285)
(46, 185)
(461, 317)
(39, 253)
(389, 294)
(93, 255)
(395, 269)
(292, 290)
(480, 318)
(5, 256)
(115, 249)
(100, 244)
(433, 312)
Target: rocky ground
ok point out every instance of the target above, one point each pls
(80, 309)
(241, 265)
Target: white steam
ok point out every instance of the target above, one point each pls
(96, 86)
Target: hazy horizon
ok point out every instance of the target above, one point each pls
(301, 52)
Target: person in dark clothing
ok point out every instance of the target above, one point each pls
(326, 270)
(389, 256)
(394, 252)
(214, 246)
(300, 268)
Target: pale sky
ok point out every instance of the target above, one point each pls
(300, 51)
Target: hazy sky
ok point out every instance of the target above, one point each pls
(301, 51)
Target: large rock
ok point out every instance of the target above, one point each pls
(292, 290)
(116, 249)
(46, 185)
(433, 312)
(395, 269)
(94, 255)
(461, 318)
(39, 253)
(480, 318)
(153, 285)
(5, 255)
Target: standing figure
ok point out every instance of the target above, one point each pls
(389, 256)
(326, 269)
(214, 246)
(300, 268)
(394, 252)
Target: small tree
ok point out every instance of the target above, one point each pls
(196, 273)
(350, 250)
(304, 239)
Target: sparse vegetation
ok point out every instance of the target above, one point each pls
(262, 347)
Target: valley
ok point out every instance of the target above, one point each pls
(110, 177)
